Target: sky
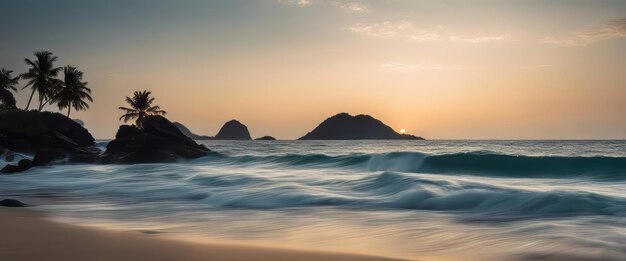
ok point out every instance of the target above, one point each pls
(441, 69)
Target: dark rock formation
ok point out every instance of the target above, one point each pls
(43, 157)
(22, 165)
(31, 131)
(12, 203)
(159, 141)
(266, 138)
(47, 135)
(190, 134)
(344, 126)
(233, 130)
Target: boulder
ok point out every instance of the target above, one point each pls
(12, 203)
(31, 131)
(22, 165)
(233, 130)
(344, 126)
(42, 157)
(46, 135)
(159, 141)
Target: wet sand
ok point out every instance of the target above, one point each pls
(28, 235)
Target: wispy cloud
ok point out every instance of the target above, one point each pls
(407, 30)
(352, 7)
(611, 29)
(396, 67)
(346, 6)
(301, 3)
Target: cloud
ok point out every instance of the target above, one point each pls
(407, 30)
(396, 67)
(301, 3)
(347, 7)
(611, 29)
(353, 7)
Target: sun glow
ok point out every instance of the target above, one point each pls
(402, 131)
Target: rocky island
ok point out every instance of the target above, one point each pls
(190, 134)
(265, 138)
(233, 130)
(344, 126)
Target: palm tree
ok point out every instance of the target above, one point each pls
(73, 91)
(41, 76)
(140, 106)
(7, 84)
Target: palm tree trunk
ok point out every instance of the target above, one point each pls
(68, 111)
(44, 104)
(40, 104)
(29, 99)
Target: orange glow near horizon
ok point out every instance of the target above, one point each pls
(467, 73)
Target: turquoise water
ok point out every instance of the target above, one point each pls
(459, 200)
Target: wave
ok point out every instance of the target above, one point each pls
(471, 163)
(393, 190)
(192, 186)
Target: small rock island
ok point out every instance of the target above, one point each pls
(344, 126)
(265, 138)
(233, 130)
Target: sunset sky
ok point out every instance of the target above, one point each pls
(441, 69)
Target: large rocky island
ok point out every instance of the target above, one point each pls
(344, 126)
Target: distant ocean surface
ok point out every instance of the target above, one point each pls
(460, 200)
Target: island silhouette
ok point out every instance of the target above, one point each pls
(344, 126)
(51, 137)
(233, 130)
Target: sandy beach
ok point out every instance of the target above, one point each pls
(28, 235)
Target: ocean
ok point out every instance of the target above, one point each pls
(439, 199)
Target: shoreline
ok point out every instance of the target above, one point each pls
(29, 235)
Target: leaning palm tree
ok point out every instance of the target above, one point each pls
(72, 92)
(41, 76)
(140, 106)
(7, 84)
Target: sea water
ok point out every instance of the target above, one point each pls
(449, 200)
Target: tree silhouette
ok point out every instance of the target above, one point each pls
(140, 106)
(72, 92)
(7, 84)
(41, 77)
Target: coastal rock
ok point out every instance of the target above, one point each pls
(12, 203)
(190, 134)
(42, 157)
(159, 141)
(22, 165)
(266, 138)
(233, 130)
(31, 131)
(344, 126)
(46, 135)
